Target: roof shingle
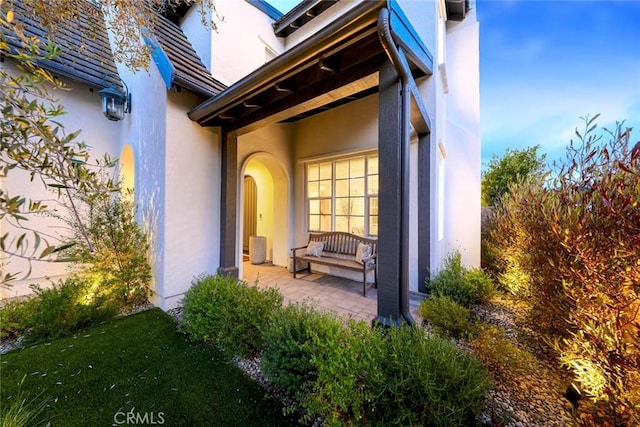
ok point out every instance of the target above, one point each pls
(85, 55)
(190, 72)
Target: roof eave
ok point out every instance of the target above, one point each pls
(266, 8)
(193, 87)
(363, 15)
(355, 26)
(302, 13)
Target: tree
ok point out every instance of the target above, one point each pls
(514, 166)
(33, 141)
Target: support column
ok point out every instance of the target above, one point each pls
(393, 238)
(229, 204)
(424, 210)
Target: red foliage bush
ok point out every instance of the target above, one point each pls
(573, 245)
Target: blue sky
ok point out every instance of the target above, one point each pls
(545, 64)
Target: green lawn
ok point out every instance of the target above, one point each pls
(140, 364)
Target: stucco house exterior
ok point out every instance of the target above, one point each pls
(347, 115)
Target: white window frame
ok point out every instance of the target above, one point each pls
(367, 195)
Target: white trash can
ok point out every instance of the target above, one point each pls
(257, 249)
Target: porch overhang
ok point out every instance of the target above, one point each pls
(338, 64)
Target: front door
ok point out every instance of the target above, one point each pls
(250, 211)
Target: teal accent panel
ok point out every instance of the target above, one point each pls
(409, 38)
(160, 58)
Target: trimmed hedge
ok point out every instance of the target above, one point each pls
(342, 373)
(291, 341)
(229, 313)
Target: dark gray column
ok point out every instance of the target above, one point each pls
(424, 210)
(228, 204)
(393, 195)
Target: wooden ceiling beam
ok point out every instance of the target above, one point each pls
(346, 83)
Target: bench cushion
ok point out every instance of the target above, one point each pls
(314, 249)
(363, 251)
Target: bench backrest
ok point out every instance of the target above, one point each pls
(342, 243)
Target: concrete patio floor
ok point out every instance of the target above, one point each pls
(328, 293)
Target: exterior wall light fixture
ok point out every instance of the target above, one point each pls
(115, 103)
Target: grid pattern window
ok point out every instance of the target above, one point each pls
(319, 196)
(342, 195)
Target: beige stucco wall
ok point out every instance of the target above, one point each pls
(192, 199)
(84, 112)
(452, 101)
(238, 46)
(462, 140)
(144, 129)
(177, 163)
(343, 131)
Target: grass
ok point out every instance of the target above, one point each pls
(139, 364)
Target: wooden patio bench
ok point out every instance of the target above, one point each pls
(340, 249)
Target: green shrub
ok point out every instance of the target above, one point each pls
(291, 340)
(118, 256)
(447, 317)
(349, 374)
(371, 376)
(484, 287)
(64, 308)
(450, 282)
(429, 381)
(464, 286)
(503, 358)
(14, 318)
(229, 313)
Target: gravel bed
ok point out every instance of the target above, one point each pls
(535, 400)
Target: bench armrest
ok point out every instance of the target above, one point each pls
(293, 250)
(369, 258)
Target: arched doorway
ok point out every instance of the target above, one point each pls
(271, 205)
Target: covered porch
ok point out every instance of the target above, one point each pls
(372, 54)
(327, 293)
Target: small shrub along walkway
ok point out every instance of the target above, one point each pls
(138, 365)
(334, 371)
